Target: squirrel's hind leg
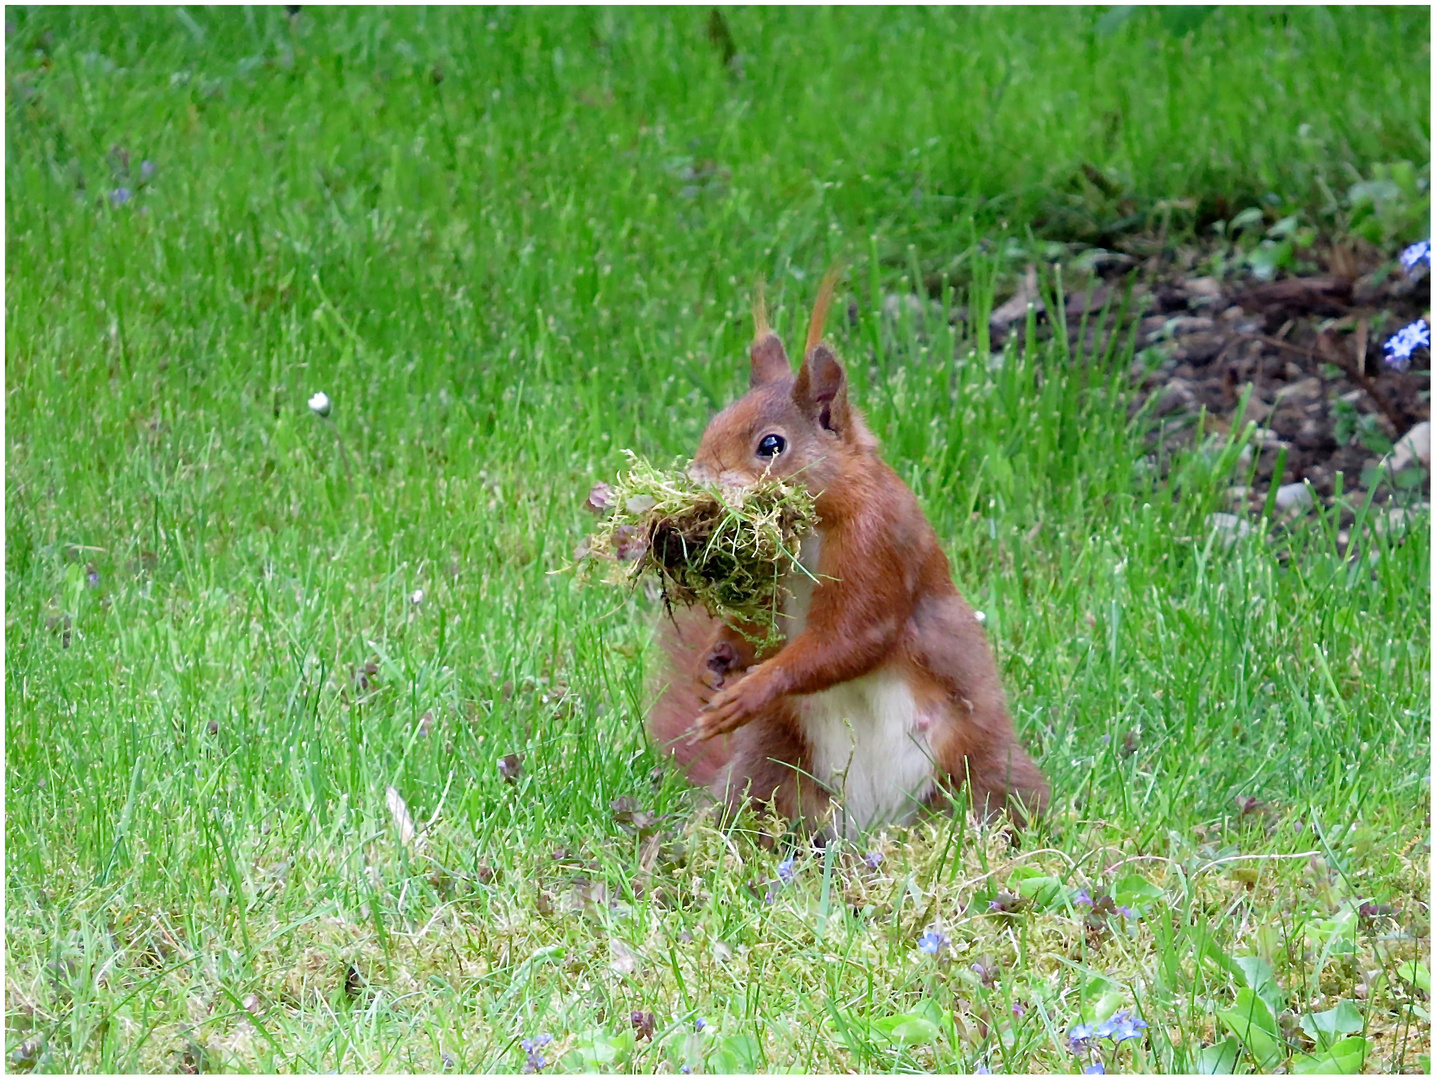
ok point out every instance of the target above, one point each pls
(768, 767)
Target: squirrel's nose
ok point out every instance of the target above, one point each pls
(700, 473)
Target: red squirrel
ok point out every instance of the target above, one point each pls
(884, 695)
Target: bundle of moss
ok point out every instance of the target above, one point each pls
(727, 550)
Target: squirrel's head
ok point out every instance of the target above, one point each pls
(787, 425)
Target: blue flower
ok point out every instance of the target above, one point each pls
(1400, 345)
(120, 196)
(1416, 254)
(786, 873)
(1083, 897)
(931, 942)
(700, 1024)
(982, 1069)
(1126, 912)
(1095, 1068)
(147, 169)
(874, 859)
(1122, 1025)
(536, 1061)
(1079, 1037)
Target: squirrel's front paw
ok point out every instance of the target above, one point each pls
(730, 709)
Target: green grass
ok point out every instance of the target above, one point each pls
(215, 665)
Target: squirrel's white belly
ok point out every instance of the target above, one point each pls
(869, 745)
(868, 739)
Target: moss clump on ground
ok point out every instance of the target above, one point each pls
(726, 549)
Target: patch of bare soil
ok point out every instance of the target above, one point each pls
(1305, 352)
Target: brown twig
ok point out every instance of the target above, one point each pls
(1358, 377)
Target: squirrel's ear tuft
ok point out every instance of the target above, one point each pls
(821, 391)
(821, 306)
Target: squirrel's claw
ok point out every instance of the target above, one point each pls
(731, 708)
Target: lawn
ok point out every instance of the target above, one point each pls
(316, 760)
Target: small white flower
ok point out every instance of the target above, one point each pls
(319, 404)
(416, 597)
(980, 616)
(1406, 341)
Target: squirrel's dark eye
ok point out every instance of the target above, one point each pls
(772, 446)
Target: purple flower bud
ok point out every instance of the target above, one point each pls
(120, 196)
(874, 859)
(147, 169)
(786, 873)
(1416, 254)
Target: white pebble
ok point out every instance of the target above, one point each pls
(1293, 496)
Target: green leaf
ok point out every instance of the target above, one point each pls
(941, 1018)
(912, 1030)
(1345, 1057)
(1336, 935)
(1042, 890)
(597, 1047)
(1252, 215)
(1252, 1022)
(1415, 973)
(918, 1026)
(1327, 1027)
(1133, 890)
(1210, 951)
(1106, 1005)
(735, 1054)
(1219, 1059)
(1260, 977)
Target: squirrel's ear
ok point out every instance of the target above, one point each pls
(821, 391)
(770, 361)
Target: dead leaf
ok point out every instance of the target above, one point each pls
(511, 767)
(1015, 307)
